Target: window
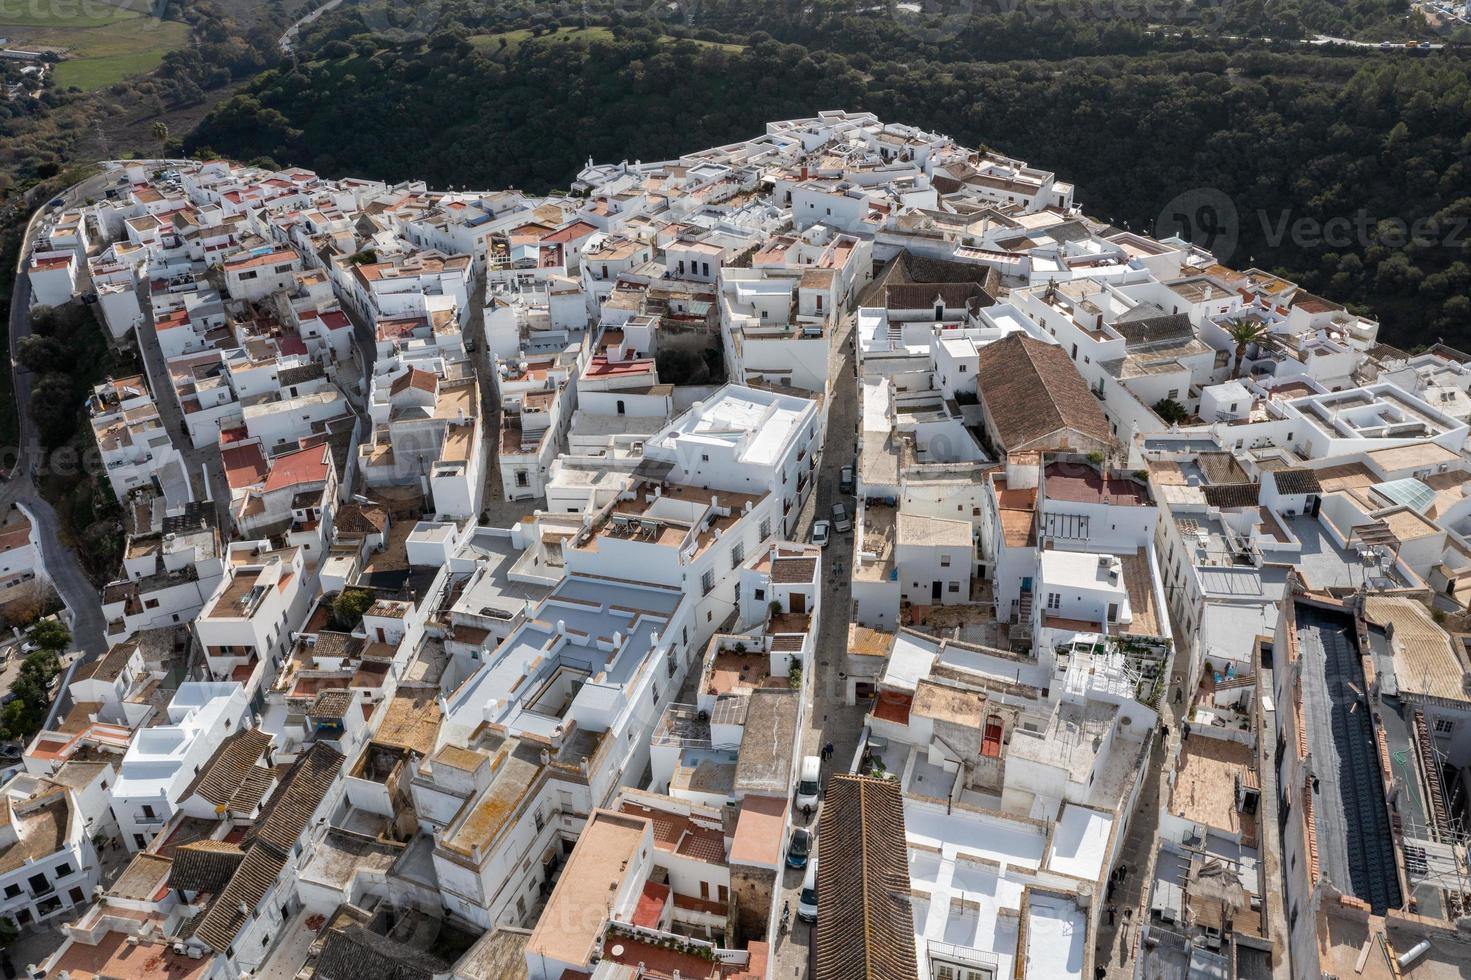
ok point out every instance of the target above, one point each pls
(1054, 600)
(759, 595)
(11, 891)
(954, 586)
(1444, 726)
(63, 869)
(765, 528)
(944, 561)
(707, 582)
(704, 457)
(1174, 394)
(521, 479)
(737, 555)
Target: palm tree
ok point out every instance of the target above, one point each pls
(1244, 333)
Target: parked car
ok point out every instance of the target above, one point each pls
(57, 202)
(807, 898)
(846, 480)
(798, 849)
(821, 530)
(841, 522)
(809, 782)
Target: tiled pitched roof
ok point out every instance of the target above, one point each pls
(286, 815)
(222, 775)
(1296, 481)
(331, 704)
(1229, 495)
(252, 790)
(361, 519)
(865, 928)
(246, 890)
(1031, 389)
(357, 953)
(204, 866)
(921, 296)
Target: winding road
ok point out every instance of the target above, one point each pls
(83, 601)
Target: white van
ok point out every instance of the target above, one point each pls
(807, 898)
(809, 782)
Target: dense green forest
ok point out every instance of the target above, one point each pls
(1324, 156)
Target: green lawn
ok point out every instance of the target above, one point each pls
(105, 40)
(514, 39)
(68, 14)
(732, 48)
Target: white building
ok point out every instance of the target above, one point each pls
(162, 760)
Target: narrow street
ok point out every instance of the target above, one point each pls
(830, 719)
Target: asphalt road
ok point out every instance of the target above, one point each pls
(82, 598)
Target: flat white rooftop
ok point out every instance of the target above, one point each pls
(1056, 932)
(761, 423)
(1080, 842)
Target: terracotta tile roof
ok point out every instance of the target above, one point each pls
(1031, 390)
(1296, 481)
(330, 705)
(358, 953)
(361, 519)
(222, 775)
(790, 570)
(865, 929)
(286, 815)
(204, 866)
(921, 296)
(1229, 495)
(246, 890)
(301, 467)
(252, 790)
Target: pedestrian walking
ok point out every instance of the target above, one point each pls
(807, 812)
(1110, 916)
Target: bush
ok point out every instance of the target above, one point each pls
(1171, 411)
(349, 606)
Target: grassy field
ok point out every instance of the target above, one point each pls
(514, 39)
(105, 42)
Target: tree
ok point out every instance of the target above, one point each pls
(40, 354)
(160, 131)
(49, 634)
(1171, 411)
(349, 606)
(1244, 333)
